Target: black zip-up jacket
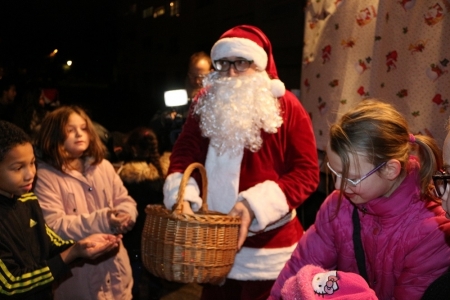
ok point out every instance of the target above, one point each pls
(29, 250)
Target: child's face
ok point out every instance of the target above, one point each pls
(372, 187)
(77, 136)
(17, 170)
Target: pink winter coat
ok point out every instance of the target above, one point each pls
(405, 242)
(76, 206)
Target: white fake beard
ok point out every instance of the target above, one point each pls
(233, 110)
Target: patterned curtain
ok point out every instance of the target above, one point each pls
(395, 50)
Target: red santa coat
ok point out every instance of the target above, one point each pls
(274, 180)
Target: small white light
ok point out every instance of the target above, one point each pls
(175, 98)
(69, 63)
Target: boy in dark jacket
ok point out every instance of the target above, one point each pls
(32, 256)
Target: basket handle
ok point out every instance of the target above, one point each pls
(180, 199)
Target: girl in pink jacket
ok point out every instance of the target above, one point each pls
(80, 194)
(402, 241)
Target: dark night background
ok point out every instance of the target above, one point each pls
(124, 60)
(82, 31)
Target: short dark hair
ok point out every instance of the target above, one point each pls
(11, 136)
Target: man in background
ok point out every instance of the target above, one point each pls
(200, 65)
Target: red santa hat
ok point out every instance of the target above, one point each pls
(251, 43)
(50, 96)
(313, 282)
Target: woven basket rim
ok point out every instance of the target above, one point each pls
(210, 217)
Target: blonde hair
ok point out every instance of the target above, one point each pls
(379, 131)
(52, 135)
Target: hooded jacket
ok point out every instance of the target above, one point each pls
(30, 257)
(76, 205)
(405, 241)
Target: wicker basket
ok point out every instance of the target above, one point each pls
(189, 248)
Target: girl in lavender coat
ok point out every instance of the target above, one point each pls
(81, 194)
(403, 229)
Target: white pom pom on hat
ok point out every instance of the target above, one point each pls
(277, 87)
(251, 43)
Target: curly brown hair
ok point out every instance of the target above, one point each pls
(10, 137)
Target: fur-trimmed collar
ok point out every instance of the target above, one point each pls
(135, 172)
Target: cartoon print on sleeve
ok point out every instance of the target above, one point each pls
(325, 283)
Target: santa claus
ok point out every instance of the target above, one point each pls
(257, 144)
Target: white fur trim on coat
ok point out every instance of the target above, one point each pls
(240, 47)
(267, 201)
(137, 171)
(260, 264)
(191, 192)
(281, 222)
(223, 179)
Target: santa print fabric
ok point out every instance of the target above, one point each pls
(397, 51)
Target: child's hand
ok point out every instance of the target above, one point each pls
(91, 247)
(97, 244)
(120, 222)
